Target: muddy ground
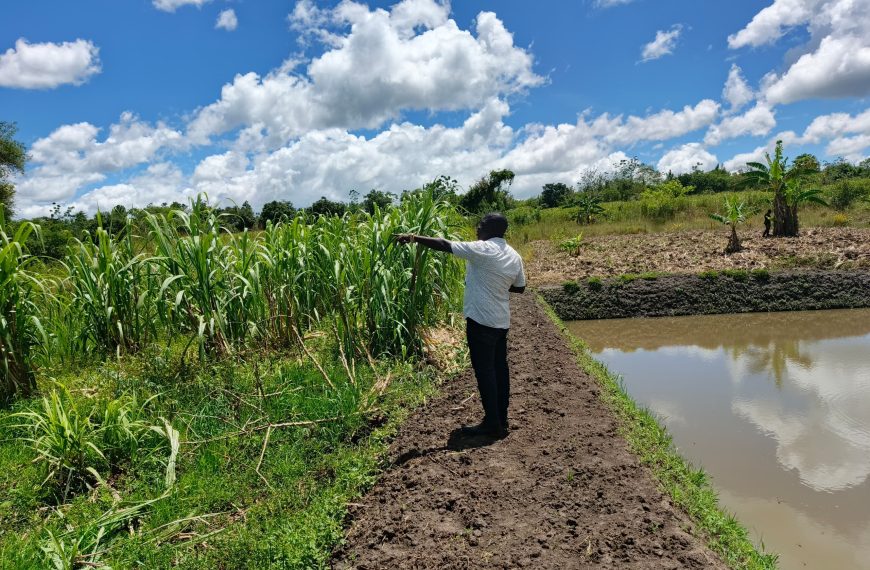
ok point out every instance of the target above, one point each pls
(696, 251)
(561, 491)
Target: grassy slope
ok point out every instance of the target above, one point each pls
(221, 513)
(688, 487)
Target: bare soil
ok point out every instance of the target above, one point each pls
(563, 490)
(696, 251)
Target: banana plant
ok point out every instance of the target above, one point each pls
(784, 181)
(734, 214)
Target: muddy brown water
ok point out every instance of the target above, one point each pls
(774, 406)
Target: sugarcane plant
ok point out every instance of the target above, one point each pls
(20, 328)
(735, 213)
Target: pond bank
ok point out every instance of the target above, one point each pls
(735, 291)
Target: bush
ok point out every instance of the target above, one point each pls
(846, 192)
(736, 274)
(523, 215)
(662, 202)
(570, 287)
(595, 283)
(708, 274)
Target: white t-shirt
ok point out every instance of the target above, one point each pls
(491, 268)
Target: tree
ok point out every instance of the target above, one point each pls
(488, 194)
(377, 198)
(326, 207)
(807, 163)
(555, 194)
(734, 214)
(276, 211)
(784, 181)
(13, 156)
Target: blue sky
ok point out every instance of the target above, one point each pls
(149, 100)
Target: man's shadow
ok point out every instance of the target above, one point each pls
(457, 441)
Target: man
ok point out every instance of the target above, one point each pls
(767, 218)
(493, 271)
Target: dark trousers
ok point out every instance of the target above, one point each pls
(488, 348)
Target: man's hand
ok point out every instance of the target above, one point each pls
(438, 244)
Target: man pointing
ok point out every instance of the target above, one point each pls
(493, 271)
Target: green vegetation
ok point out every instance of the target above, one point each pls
(209, 398)
(688, 487)
(572, 245)
(786, 183)
(12, 159)
(735, 213)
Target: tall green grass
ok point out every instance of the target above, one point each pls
(20, 327)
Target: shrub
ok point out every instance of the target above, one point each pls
(840, 220)
(570, 287)
(846, 192)
(523, 215)
(708, 274)
(736, 274)
(572, 246)
(595, 283)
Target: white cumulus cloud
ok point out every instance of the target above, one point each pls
(835, 63)
(757, 121)
(72, 157)
(736, 91)
(686, 158)
(663, 44)
(48, 65)
(227, 20)
(410, 58)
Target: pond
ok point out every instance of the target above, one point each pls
(774, 406)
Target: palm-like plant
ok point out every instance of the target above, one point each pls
(734, 214)
(587, 208)
(784, 181)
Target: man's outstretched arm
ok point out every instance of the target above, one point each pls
(439, 244)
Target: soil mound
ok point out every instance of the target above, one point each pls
(561, 491)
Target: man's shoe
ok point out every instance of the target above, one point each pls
(484, 430)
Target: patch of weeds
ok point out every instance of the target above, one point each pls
(595, 283)
(736, 274)
(627, 278)
(760, 274)
(570, 287)
(708, 274)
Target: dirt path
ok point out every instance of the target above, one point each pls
(561, 491)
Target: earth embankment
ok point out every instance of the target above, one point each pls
(563, 490)
(710, 293)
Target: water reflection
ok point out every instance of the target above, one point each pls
(775, 406)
